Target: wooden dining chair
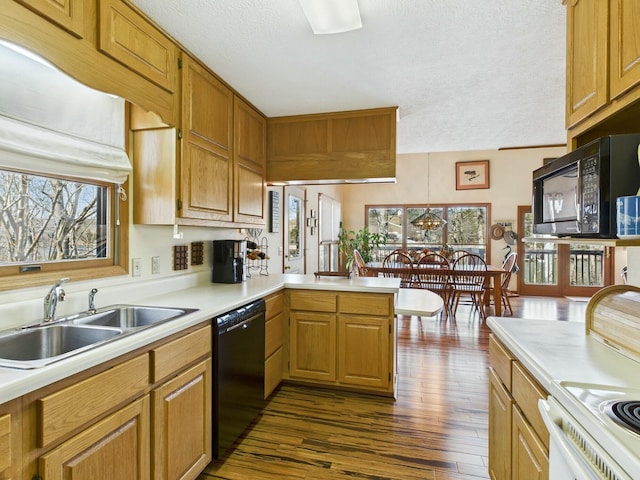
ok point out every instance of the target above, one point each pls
(361, 266)
(398, 264)
(468, 279)
(508, 266)
(455, 255)
(432, 273)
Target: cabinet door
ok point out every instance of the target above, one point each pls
(11, 441)
(69, 14)
(313, 346)
(5, 446)
(500, 408)
(530, 460)
(363, 351)
(129, 38)
(182, 424)
(346, 145)
(587, 60)
(250, 144)
(113, 449)
(206, 170)
(625, 46)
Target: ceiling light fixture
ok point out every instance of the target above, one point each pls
(429, 220)
(332, 16)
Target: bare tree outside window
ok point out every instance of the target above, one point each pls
(46, 219)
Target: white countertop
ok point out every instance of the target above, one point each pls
(418, 301)
(558, 351)
(211, 299)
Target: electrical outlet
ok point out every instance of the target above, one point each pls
(136, 267)
(155, 265)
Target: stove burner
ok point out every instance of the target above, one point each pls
(625, 413)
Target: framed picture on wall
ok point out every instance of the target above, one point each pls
(472, 175)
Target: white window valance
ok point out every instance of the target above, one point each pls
(52, 124)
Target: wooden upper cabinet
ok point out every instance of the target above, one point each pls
(625, 46)
(69, 14)
(206, 168)
(332, 147)
(587, 58)
(250, 144)
(129, 38)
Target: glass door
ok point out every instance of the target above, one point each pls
(294, 238)
(548, 268)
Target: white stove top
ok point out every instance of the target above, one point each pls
(587, 404)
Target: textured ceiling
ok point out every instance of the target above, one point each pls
(466, 74)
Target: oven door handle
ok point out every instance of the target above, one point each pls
(566, 449)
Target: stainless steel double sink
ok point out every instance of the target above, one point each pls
(39, 345)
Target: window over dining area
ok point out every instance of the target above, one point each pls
(466, 227)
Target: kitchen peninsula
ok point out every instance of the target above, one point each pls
(54, 412)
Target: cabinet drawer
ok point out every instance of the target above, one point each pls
(365, 304)
(526, 392)
(273, 371)
(273, 334)
(171, 357)
(5, 442)
(274, 305)
(77, 405)
(501, 361)
(313, 301)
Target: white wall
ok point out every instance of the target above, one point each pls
(510, 173)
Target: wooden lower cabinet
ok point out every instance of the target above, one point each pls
(146, 416)
(313, 346)
(363, 351)
(5, 446)
(113, 449)
(500, 411)
(10, 440)
(529, 456)
(518, 439)
(182, 424)
(342, 339)
(273, 342)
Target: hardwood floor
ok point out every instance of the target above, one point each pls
(435, 430)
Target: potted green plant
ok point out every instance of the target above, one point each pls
(362, 240)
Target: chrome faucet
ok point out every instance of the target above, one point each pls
(92, 300)
(55, 295)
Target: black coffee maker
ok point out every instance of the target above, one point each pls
(229, 261)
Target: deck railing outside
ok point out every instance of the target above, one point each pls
(585, 267)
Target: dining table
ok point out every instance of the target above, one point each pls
(492, 275)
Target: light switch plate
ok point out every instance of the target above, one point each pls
(155, 265)
(136, 267)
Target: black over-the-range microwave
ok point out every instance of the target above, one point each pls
(575, 195)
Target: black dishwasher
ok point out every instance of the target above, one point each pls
(238, 395)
